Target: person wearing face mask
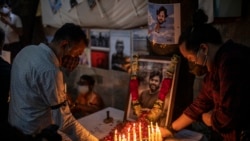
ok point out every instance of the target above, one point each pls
(13, 28)
(38, 97)
(87, 100)
(223, 101)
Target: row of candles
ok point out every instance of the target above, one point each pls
(152, 133)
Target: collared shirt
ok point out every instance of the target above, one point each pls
(226, 91)
(36, 85)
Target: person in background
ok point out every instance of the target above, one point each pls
(38, 97)
(148, 97)
(120, 61)
(87, 100)
(223, 101)
(5, 69)
(12, 25)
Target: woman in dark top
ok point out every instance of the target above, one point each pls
(223, 102)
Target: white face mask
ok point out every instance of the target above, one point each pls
(5, 10)
(83, 89)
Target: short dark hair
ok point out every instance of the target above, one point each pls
(155, 73)
(86, 80)
(162, 8)
(71, 32)
(119, 42)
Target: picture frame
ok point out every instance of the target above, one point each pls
(146, 65)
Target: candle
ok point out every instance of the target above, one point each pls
(140, 132)
(128, 136)
(123, 137)
(158, 133)
(134, 133)
(115, 136)
(120, 137)
(152, 131)
(149, 135)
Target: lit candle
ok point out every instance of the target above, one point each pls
(149, 135)
(128, 134)
(140, 132)
(134, 133)
(152, 131)
(115, 136)
(120, 137)
(123, 137)
(158, 133)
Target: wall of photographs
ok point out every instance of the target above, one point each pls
(113, 49)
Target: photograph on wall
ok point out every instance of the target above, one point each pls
(157, 80)
(55, 5)
(164, 23)
(139, 41)
(100, 59)
(99, 39)
(85, 57)
(120, 50)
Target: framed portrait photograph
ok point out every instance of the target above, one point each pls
(157, 81)
(164, 23)
(120, 50)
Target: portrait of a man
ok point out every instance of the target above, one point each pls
(153, 78)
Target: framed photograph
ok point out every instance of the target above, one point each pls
(164, 23)
(151, 73)
(120, 50)
(139, 42)
(100, 39)
(99, 59)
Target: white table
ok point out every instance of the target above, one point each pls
(95, 122)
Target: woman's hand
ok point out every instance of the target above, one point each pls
(206, 117)
(165, 133)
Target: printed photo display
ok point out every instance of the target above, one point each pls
(156, 79)
(164, 23)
